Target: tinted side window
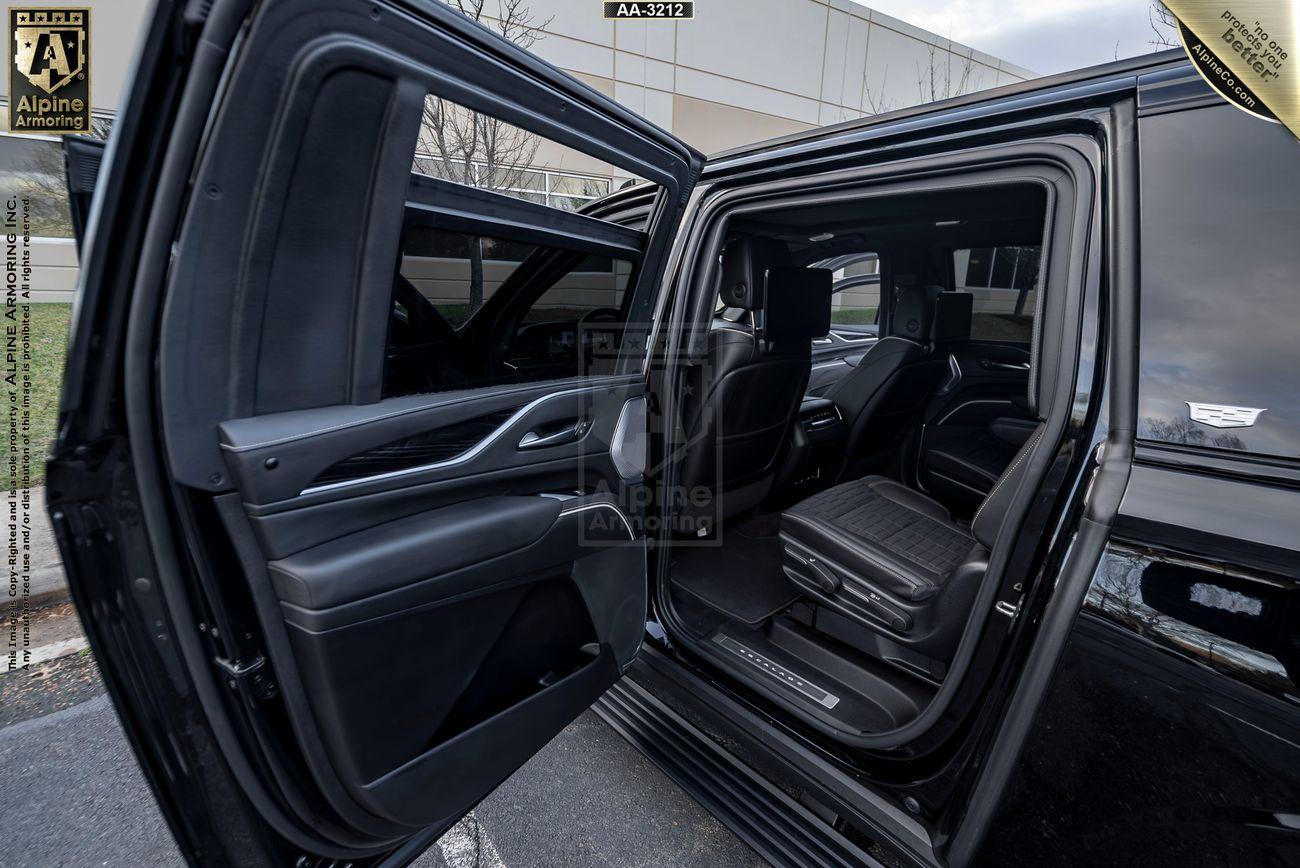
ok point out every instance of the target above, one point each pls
(592, 290)
(442, 266)
(505, 284)
(856, 288)
(1004, 281)
(551, 313)
(1220, 265)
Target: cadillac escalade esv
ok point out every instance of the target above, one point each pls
(921, 490)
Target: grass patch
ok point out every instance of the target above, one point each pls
(455, 314)
(1002, 327)
(853, 316)
(49, 330)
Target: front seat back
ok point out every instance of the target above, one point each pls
(742, 395)
(882, 395)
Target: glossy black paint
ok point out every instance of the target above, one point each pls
(93, 496)
(1172, 732)
(1170, 735)
(1220, 217)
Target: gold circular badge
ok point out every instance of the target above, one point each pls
(1218, 76)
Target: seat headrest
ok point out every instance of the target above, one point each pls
(744, 262)
(913, 311)
(952, 317)
(798, 304)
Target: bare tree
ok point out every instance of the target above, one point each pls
(877, 101)
(1164, 27)
(1187, 432)
(937, 81)
(459, 144)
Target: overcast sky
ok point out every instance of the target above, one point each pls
(1043, 35)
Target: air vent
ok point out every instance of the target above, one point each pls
(820, 417)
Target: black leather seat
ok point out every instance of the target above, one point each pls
(742, 396)
(882, 395)
(894, 560)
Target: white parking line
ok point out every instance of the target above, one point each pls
(466, 845)
(45, 653)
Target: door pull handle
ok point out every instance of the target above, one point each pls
(568, 434)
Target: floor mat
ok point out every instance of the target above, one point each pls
(765, 525)
(739, 575)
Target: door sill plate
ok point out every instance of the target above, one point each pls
(790, 679)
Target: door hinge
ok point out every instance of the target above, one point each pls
(1008, 609)
(248, 674)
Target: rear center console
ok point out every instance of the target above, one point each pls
(816, 446)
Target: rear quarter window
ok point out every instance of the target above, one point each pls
(1220, 294)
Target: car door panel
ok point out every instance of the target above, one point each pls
(381, 605)
(457, 599)
(283, 456)
(441, 554)
(458, 681)
(968, 435)
(833, 361)
(398, 553)
(419, 705)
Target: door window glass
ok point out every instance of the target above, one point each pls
(32, 168)
(468, 147)
(855, 288)
(488, 307)
(474, 309)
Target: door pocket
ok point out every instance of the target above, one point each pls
(441, 675)
(436, 784)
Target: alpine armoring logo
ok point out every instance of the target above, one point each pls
(49, 82)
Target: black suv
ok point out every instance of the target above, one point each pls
(918, 490)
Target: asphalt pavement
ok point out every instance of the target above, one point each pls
(72, 795)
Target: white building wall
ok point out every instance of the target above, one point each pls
(54, 269)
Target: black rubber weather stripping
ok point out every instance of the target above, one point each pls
(430, 447)
(776, 826)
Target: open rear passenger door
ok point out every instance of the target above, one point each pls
(347, 561)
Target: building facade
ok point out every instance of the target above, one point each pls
(741, 71)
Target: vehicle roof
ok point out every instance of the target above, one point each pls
(1064, 81)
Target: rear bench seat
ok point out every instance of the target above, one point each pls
(894, 560)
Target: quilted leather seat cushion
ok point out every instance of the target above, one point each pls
(892, 536)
